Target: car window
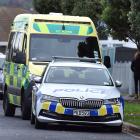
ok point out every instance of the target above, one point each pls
(79, 75)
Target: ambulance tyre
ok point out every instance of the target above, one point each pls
(39, 125)
(9, 109)
(32, 121)
(25, 109)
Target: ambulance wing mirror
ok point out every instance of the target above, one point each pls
(35, 79)
(20, 58)
(38, 80)
(118, 83)
(107, 62)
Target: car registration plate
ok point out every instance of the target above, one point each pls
(81, 112)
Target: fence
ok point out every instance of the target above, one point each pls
(123, 73)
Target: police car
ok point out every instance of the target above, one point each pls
(77, 92)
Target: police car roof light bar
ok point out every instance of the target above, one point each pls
(92, 60)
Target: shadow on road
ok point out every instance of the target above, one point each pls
(78, 128)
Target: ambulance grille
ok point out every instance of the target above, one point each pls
(81, 104)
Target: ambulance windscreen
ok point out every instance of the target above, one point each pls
(43, 47)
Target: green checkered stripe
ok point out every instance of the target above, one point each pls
(17, 76)
(82, 29)
(13, 99)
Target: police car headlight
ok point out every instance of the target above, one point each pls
(112, 101)
(45, 98)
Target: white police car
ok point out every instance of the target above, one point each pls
(77, 93)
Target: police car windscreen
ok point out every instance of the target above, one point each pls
(43, 47)
(78, 75)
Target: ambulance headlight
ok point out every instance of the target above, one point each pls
(45, 98)
(112, 101)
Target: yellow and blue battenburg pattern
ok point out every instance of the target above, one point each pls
(58, 108)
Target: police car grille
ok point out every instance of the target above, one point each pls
(81, 104)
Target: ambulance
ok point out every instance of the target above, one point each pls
(33, 40)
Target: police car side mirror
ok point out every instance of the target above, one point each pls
(107, 62)
(118, 83)
(20, 58)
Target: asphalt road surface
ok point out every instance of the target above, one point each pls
(14, 128)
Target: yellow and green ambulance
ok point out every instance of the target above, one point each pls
(33, 40)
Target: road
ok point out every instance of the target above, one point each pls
(13, 128)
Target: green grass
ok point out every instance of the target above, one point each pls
(132, 113)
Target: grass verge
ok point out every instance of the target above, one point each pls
(132, 113)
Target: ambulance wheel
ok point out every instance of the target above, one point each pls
(32, 121)
(9, 109)
(39, 125)
(25, 109)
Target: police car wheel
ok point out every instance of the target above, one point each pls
(32, 121)
(39, 125)
(25, 110)
(9, 109)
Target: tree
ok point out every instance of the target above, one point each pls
(46, 6)
(134, 19)
(92, 9)
(67, 6)
(122, 19)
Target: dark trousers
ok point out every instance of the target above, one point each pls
(137, 84)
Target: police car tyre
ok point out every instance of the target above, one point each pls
(9, 109)
(32, 121)
(25, 109)
(39, 125)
